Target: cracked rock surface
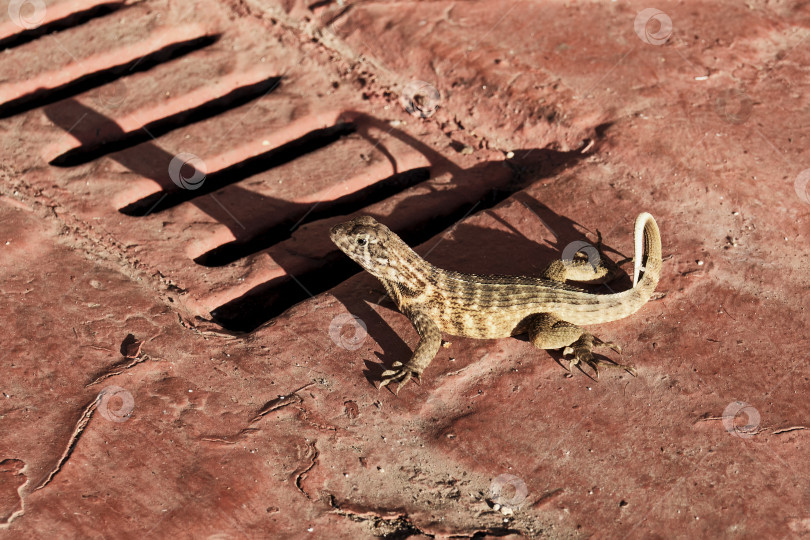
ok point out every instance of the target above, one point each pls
(124, 412)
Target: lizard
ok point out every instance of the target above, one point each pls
(546, 308)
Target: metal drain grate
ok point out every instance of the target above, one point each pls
(268, 146)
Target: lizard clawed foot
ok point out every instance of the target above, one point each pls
(581, 352)
(400, 374)
(599, 343)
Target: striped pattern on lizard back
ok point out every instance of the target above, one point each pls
(487, 306)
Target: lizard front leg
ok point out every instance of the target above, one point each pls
(549, 332)
(429, 342)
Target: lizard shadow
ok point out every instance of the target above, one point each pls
(493, 251)
(473, 249)
(416, 214)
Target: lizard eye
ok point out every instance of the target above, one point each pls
(361, 241)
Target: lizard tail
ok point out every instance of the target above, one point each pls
(586, 308)
(647, 257)
(647, 264)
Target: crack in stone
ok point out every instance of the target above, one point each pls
(228, 439)
(84, 419)
(279, 402)
(272, 405)
(789, 429)
(118, 369)
(6, 467)
(302, 474)
(398, 523)
(132, 356)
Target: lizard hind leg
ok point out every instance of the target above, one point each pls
(588, 265)
(549, 332)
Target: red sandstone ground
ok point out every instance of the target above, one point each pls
(128, 410)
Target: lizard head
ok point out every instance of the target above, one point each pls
(370, 244)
